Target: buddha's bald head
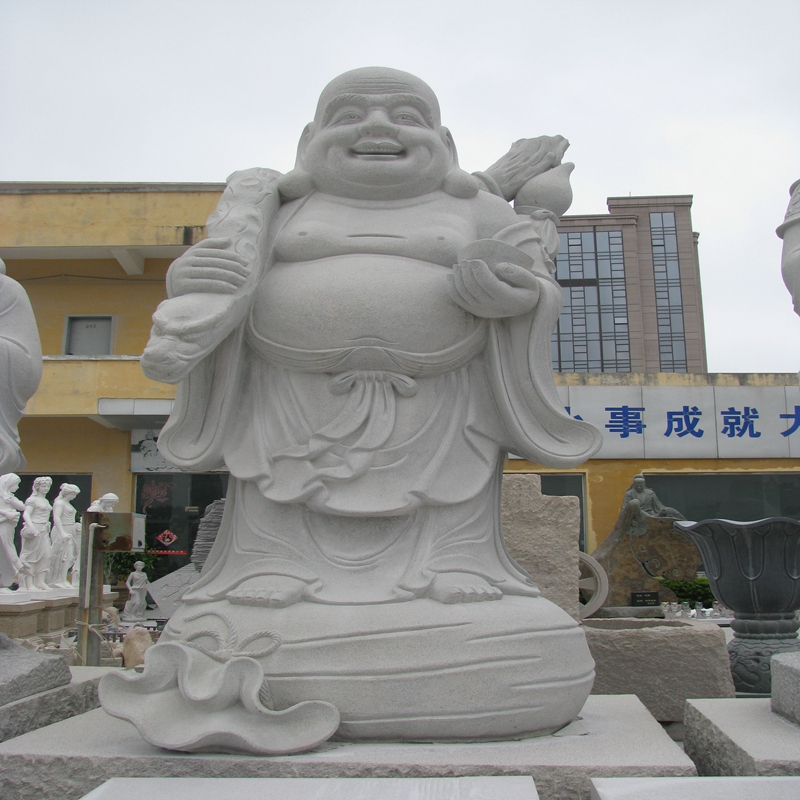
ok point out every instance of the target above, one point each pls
(377, 134)
(372, 81)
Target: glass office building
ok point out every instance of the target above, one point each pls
(631, 288)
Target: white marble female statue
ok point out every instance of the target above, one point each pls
(35, 534)
(10, 508)
(136, 606)
(21, 370)
(359, 343)
(104, 504)
(64, 538)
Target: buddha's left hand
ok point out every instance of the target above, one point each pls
(504, 291)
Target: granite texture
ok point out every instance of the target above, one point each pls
(542, 534)
(616, 736)
(663, 662)
(25, 672)
(643, 545)
(483, 788)
(740, 737)
(785, 669)
(53, 705)
(359, 343)
(695, 788)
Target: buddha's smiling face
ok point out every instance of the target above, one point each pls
(377, 144)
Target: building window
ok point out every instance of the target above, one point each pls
(88, 336)
(592, 332)
(174, 503)
(669, 302)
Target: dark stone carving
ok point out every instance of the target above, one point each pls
(754, 569)
(643, 546)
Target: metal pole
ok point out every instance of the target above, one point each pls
(90, 590)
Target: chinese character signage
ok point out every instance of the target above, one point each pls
(690, 421)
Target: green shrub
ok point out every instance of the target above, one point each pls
(691, 591)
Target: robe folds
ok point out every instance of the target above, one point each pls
(376, 478)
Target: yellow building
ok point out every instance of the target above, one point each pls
(93, 258)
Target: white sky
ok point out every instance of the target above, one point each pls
(694, 97)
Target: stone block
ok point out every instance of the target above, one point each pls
(21, 619)
(542, 534)
(785, 669)
(481, 788)
(663, 662)
(25, 672)
(53, 617)
(695, 788)
(740, 737)
(615, 736)
(53, 705)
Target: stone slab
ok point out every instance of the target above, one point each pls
(616, 736)
(695, 788)
(479, 788)
(663, 662)
(53, 705)
(542, 534)
(785, 668)
(740, 737)
(25, 672)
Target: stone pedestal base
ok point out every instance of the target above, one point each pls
(52, 705)
(695, 788)
(740, 737)
(321, 788)
(615, 737)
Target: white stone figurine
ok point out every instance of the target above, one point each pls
(65, 536)
(35, 534)
(358, 344)
(136, 606)
(10, 509)
(21, 359)
(104, 504)
(789, 231)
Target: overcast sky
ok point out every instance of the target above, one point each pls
(696, 97)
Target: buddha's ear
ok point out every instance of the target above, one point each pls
(451, 145)
(305, 137)
(457, 183)
(297, 183)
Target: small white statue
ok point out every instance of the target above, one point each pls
(104, 504)
(21, 370)
(35, 553)
(137, 583)
(64, 537)
(10, 508)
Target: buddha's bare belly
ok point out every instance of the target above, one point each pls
(360, 301)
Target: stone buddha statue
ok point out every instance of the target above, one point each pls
(359, 343)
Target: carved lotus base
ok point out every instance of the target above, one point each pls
(412, 671)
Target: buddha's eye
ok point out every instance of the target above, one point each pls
(347, 117)
(407, 118)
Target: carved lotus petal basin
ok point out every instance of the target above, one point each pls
(753, 567)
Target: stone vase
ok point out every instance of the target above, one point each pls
(754, 569)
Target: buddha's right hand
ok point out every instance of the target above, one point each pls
(212, 266)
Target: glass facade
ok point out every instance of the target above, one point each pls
(743, 497)
(592, 332)
(669, 302)
(174, 503)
